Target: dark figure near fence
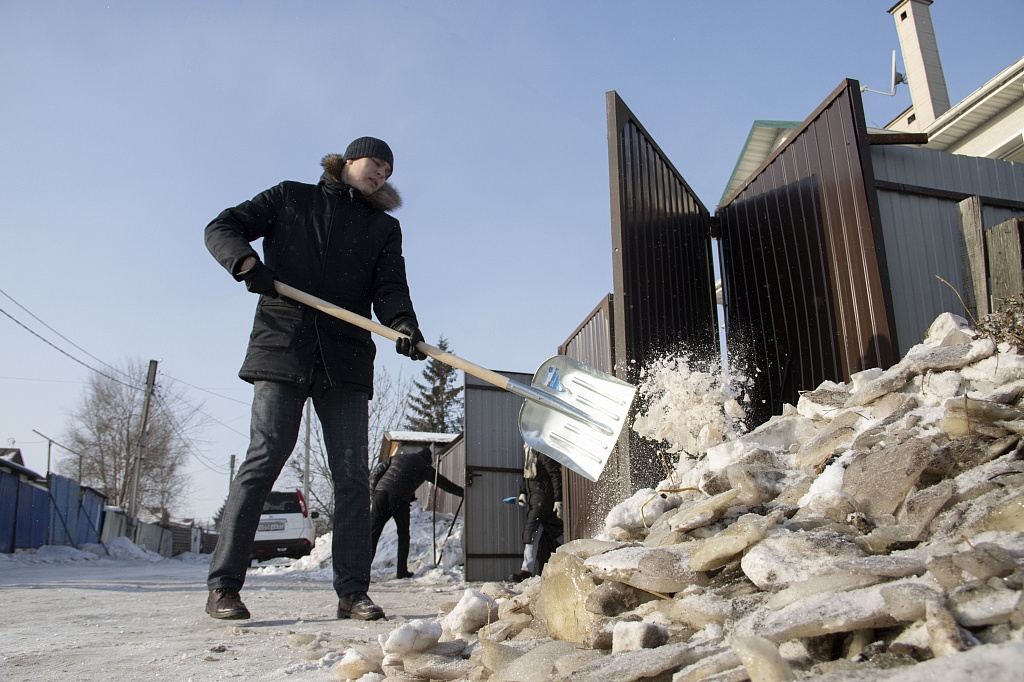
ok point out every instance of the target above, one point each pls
(393, 484)
(541, 494)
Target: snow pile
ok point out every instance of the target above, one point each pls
(118, 548)
(873, 531)
(424, 528)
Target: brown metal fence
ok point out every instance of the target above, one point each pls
(664, 295)
(586, 503)
(806, 285)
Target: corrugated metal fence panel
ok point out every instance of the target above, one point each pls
(63, 510)
(8, 510)
(937, 170)
(805, 279)
(209, 542)
(154, 538)
(453, 467)
(922, 231)
(587, 503)
(115, 524)
(90, 516)
(33, 516)
(492, 536)
(664, 295)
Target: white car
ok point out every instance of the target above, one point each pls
(286, 527)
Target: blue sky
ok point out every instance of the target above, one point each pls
(126, 127)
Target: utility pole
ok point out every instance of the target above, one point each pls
(231, 476)
(133, 501)
(305, 470)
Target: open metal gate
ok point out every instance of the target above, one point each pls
(664, 298)
(492, 537)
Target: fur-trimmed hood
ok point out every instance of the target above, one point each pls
(386, 198)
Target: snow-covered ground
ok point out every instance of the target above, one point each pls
(84, 614)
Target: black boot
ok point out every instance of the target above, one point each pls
(225, 604)
(357, 605)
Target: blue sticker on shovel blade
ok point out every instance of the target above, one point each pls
(552, 381)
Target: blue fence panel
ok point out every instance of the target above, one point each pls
(8, 510)
(63, 510)
(33, 516)
(90, 517)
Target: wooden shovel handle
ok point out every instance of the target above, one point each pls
(447, 358)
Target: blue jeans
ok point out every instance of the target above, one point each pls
(276, 418)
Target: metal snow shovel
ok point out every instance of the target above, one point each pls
(572, 413)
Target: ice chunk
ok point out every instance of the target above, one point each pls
(434, 667)
(628, 636)
(833, 581)
(559, 606)
(659, 570)
(496, 657)
(354, 665)
(584, 548)
(964, 416)
(827, 613)
(473, 611)
(577, 659)
(785, 557)
(921, 507)
(698, 610)
(977, 605)
(703, 512)
(761, 659)
(720, 661)
(632, 665)
(905, 600)
(943, 634)
(536, 665)
(824, 402)
(412, 637)
(881, 479)
(612, 598)
(718, 550)
(837, 436)
(892, 566)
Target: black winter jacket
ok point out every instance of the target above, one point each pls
(542, 478)
(330, 241)
(402, 474)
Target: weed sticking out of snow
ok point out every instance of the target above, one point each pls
(690, 407)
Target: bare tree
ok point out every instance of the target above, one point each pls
(105, 430)
(386, 412)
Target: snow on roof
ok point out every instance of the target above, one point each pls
(421, 437)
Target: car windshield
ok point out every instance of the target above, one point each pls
(282, 503)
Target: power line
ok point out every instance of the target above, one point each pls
(206, 390)
(62, 351)
(175, 427)
(194, 451)
(40, 321)
(206, 414)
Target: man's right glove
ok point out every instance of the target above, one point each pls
(259, 279)
(407, 346)
(521, 500)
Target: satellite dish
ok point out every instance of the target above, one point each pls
(895, 79)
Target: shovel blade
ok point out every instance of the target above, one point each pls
(584, 442)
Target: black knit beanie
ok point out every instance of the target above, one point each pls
(370, 146)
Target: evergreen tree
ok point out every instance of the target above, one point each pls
(436, 405)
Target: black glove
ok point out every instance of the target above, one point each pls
(407, 346)
(259, 279)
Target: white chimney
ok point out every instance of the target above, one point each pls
(921, 60)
